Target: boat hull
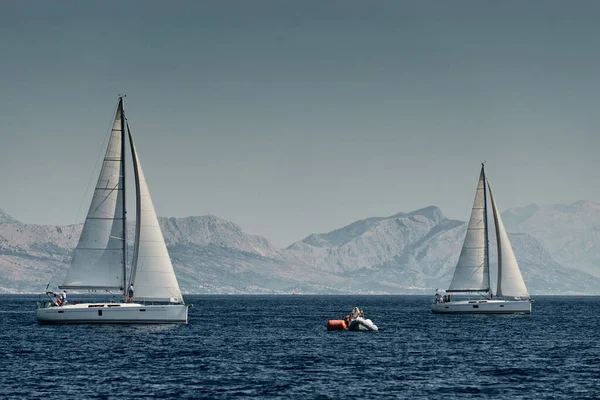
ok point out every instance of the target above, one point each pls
(483, 307)
(114, 313)
(361, 324)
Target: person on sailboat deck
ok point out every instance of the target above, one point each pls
(54, 300)
(131, 293)
(63, 297)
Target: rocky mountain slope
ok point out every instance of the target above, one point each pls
(6, 218)
(570, 232)
(404, 253)
(210, 255)
(418, 251)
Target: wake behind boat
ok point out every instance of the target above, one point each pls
(151, 294)
(472, 273)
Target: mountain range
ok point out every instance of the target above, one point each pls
(570, 232)
(558, 248)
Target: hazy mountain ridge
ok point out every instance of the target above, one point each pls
(367, 243)
(210, 255)
(414, 252)
(210, 230)
(570, 232)
(7, 218)
(404, 253)
(31, 254)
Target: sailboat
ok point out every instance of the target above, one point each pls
(472, 273)
(99, 261)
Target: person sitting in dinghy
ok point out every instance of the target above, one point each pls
(356, 312)
(347, 319)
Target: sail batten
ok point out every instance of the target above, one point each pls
(510, 280)
(471, 273)
(97, 261)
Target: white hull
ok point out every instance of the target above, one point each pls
(114, 313)
(361, 324)
(483, 307)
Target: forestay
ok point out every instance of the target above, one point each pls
(510, 280)
(152, 272)
(98, 258)
(471, 273)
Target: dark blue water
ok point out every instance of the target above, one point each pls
(278, 346)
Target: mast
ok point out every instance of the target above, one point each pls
(486, 250)
(138, 208)
(124, 198)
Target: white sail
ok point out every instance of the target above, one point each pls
(510, 280)
(152, 272)
(98, 258)
(471, 273)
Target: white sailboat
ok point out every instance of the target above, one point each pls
(100, 258)
(472, 273)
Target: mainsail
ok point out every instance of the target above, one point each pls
(151, 272)
(472, 271)
(510, 280)
(98, 260)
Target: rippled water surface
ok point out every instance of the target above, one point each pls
(278, 346)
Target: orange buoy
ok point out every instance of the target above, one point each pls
(336, 325)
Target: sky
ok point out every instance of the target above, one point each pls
(297, 117)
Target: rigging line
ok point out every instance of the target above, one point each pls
(106, 136)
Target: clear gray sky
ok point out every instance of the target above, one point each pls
(290, 118)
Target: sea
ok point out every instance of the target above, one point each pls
(246, 346)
